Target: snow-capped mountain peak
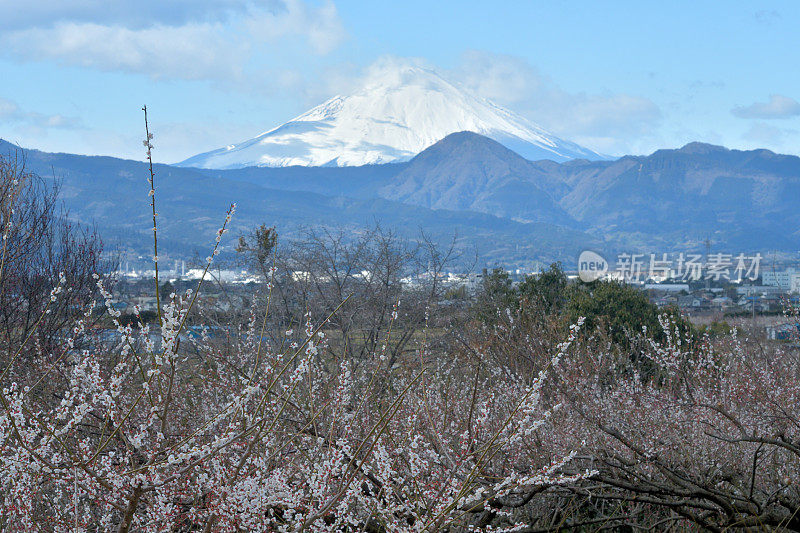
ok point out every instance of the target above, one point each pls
(397, 113)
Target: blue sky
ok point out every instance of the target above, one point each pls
(618, 77)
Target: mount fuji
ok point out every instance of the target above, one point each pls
(394, 116)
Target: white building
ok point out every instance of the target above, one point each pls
(785, 279)
(667, 287)
(749, 290)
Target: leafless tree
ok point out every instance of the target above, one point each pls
(40, 245)
(385, 287)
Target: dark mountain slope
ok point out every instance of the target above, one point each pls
(744, 197)
(468, 171)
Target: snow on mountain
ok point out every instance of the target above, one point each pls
(394, 116)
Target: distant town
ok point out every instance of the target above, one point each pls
(768, 297)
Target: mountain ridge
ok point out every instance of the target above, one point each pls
(514, 209)
(112, 194)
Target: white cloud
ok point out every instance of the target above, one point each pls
(10, 112)
(191, 51)
(214, 41)
(320, 26)
(777, 107)
(765, 134)
(143, 13)
(607, 122)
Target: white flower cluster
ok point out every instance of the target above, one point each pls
(148, 145)
(58, 289)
